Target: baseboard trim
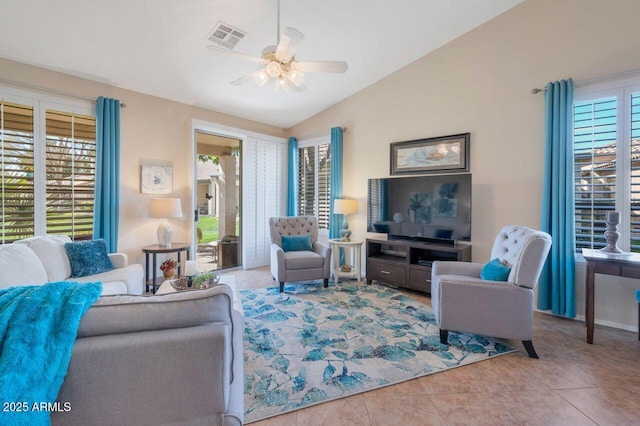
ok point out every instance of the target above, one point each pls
(581, 318)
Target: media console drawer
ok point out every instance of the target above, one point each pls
(420, 279)
(386, 272)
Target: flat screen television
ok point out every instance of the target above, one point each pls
(433, 208)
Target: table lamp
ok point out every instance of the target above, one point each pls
(345, 207)
(165, 208)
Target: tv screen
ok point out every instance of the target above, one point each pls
(428, 208)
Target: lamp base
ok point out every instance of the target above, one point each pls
(165, 234)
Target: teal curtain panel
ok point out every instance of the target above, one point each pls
(556, 291)
(335, 220)
(292, 175)
(107, 184)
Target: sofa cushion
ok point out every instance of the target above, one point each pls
(88, 257)
(51, 252)
(19, 265)
(296, 243)
(303, 260)
(127, 280)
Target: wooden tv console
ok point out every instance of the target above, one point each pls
(406, 263)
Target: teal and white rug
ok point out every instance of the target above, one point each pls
(311, 344)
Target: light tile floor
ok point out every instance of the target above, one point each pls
(573, 383)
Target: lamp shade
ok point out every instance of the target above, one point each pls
(163, 208)
(342, 206)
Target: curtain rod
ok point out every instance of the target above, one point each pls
(317, 135)
(53, 91)
(615, 76)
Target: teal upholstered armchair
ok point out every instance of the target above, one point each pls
(296, 254)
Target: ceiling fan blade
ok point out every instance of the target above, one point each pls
(322, 66)
(242, 80)
(236, 54)
(289, 42)
(300, 88)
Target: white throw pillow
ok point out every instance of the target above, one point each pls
(50, 250)
(19, 265)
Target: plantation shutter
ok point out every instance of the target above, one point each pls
(634, 195)
(595, 148)
(306, 181)
(70, 174)
(314, 183)
(17, 163)
(324, 185)
(263, 196)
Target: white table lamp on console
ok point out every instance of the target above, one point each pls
(163, 209)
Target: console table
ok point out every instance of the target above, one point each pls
(627, 266)
(407, 263)
(154, 249)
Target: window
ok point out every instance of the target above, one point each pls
(47, 157)
(606, 133)
(70, 174)
(314, 180)
(16, 183)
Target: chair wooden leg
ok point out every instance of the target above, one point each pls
(281, 286)
(326, 282)
(529, 347)
(444, 337)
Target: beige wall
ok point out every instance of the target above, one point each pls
(481, 83)
(151, 129)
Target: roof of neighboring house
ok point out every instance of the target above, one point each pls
(610, 150)
(205, 171)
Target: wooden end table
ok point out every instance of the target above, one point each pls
(627, 265)
(154, 249)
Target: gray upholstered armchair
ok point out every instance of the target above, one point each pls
(303, 263)
(463, 301)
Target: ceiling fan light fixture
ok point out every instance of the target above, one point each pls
(274, 69)
(282, 85)
(295, 77)
(261, 77)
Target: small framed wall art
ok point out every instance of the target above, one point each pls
(434, 155)
(156, 178)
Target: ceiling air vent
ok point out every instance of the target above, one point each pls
(225, 35)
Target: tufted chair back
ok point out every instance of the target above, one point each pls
(524, 250)
(293, 225)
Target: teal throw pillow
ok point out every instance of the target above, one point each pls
(495, 271)
(297, 243)
(88, 257)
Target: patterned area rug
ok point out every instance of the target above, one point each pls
(310, 345)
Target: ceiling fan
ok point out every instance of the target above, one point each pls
(280, 63)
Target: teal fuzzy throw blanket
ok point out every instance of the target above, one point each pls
(38, 327)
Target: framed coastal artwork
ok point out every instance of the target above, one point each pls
(434, 155)
(156, 178)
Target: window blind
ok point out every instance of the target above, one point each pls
(70, 174)
(314, 183)
(595, 148)
(17, 163)
(634, 187)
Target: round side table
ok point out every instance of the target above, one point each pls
(355, 248)
(154, 249)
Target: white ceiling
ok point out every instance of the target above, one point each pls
(158, 47)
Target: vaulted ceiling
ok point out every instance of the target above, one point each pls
(158, 47)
